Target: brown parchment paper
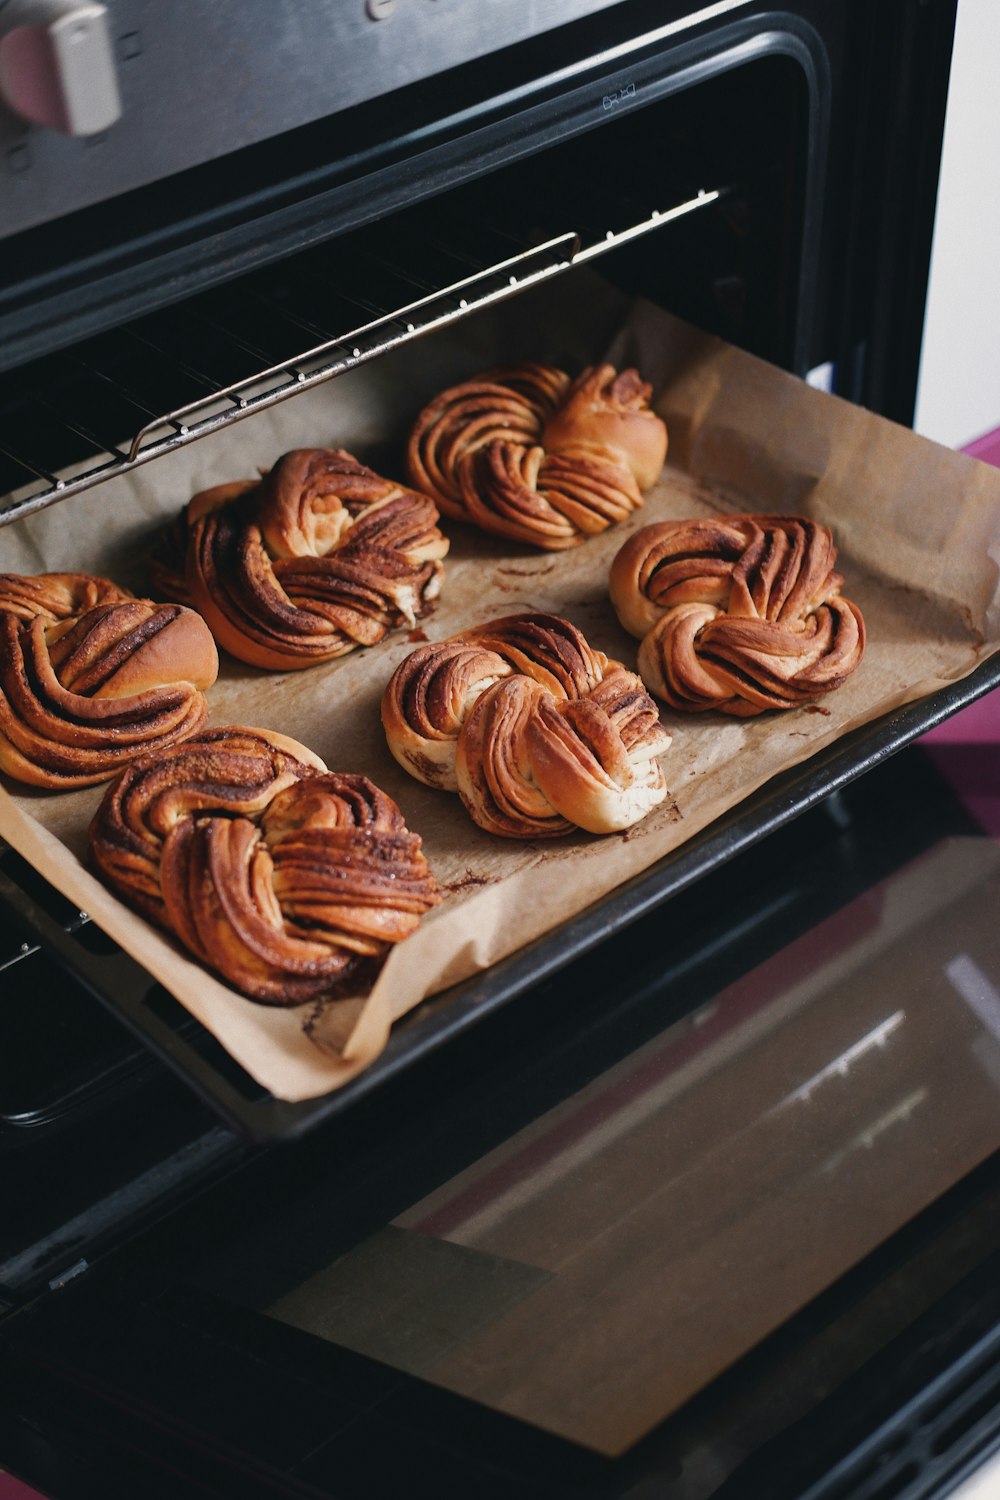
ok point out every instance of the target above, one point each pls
(919, 533)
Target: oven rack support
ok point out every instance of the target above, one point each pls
(332, 357)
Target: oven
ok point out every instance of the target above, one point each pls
(695, 1196)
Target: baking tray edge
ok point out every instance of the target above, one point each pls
(451, 1013)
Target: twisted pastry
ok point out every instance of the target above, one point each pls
(55, 596)
(536, 731)
(737, 613)
(282, 876)
(528, 454)
(91, 678)
(318, 557)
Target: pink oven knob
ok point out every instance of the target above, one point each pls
(56, 65)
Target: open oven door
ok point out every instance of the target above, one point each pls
(715, 1221)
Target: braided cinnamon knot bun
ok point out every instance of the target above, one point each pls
(532, 455)
(285, 878)
(737, 613)
(91, 678)
(318, 557)
(536, 731)
(55, 596)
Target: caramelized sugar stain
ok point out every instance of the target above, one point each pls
(527, 572)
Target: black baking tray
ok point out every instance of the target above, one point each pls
(151, 1014)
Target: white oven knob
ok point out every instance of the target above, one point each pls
(56, 65)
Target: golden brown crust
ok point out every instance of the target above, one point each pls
(282, 876)
(86, 687)
(536, 731)
(546, 648)
(55, 596)
(494, 766)
(320, 556)
(737, 613)
(526, 453)
(427, 700)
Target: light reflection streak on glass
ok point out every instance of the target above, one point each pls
(841, 1066)
(865, 1139)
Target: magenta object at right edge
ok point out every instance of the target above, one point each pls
(13, 1489)
(986, 448)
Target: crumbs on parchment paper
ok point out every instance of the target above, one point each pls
(468, 881)
(667, 812)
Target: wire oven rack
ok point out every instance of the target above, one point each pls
(102, 388)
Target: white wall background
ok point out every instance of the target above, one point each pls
(958, 397)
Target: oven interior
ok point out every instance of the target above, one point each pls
(734, 263)
(735, 260)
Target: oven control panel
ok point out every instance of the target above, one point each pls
(99, 98)
(56, 65)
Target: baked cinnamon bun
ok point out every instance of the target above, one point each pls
(737, 613)
(536, 731)
(91, 678)
(318, 557)
(531, 455)
(284, 877)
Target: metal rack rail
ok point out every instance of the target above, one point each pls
(16, 942)
(376, 332)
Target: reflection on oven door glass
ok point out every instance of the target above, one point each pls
(605, 1263)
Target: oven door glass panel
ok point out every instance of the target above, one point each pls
(611, 1259)
(616, 1253)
